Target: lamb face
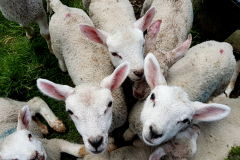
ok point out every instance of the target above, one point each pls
(90, 106)
(125, 43)
(167, 110)
(170, 112)
(22, 144)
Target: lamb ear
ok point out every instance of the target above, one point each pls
(179, 52)
(153, 72)
(150, 40)
(94, 34)
(146, 20)
(24, 118)
(210, 112)
(57, 91)
(117, 77)
(154, 29)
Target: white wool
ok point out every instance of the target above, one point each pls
(10, 135)
(25, 12)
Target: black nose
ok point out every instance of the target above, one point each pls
(96, 142)
(138, 73)
(154, 134)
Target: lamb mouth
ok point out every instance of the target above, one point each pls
(148, 140)
(97, 152)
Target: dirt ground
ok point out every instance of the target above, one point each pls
(137, 5)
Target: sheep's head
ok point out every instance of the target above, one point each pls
(89, 106)
(165, 60)
(168, 110)
(22, 144)
(125, 44)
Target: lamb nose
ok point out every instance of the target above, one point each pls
(96, 143)
(138, 73)
(153, 134)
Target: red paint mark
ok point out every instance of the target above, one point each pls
(221, 51)
(68, 15)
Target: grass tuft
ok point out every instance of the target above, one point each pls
(234, 154)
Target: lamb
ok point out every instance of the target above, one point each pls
(167, 45)
(118, 29)
(25, 12)
(96, 106)
(182, 146)
(204, 71)
(16, 139)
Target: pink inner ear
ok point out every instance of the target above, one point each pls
(152, 72)
(119, 77)
(184, 46)
(210, 113)
(50, 89)
(154, 29)
(148, 19)
(91, 33)
(25, 120)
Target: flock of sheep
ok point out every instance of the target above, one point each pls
(177, 87)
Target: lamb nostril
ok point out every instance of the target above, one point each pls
(153, 134)
(97, 142)
(138, 73)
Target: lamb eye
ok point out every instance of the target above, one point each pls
(186, 121)
(110, 104)
(70, 112)
(29, 136)
(116, 55)
(152, 96)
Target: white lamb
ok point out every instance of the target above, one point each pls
(118, 29)
(205, 70)
(17, 142)
(25, 12)
(182, 146)
(167, 45)
(92, 105)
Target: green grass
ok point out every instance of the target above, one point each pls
(23, 61)
(234, 154)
